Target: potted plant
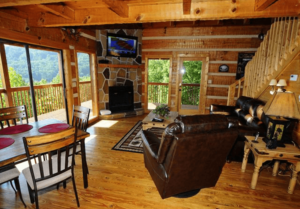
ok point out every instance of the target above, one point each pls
(162, 110)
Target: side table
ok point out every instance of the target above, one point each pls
(289, 153)
(148, 123)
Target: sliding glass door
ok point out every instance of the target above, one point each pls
(36, 80)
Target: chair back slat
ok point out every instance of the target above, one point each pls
(41, 166)
(44, 139)
(50, 163)
(13, 115)
(80, 117)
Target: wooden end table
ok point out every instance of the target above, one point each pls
(289, 153)
(148, 123)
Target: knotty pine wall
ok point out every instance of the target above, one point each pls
(15, 29)
(221, 43)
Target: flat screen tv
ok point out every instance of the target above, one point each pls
(121, 45)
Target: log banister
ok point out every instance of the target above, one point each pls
(279, 47)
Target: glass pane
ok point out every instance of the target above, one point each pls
(190, 89)
(17, 65)
(85, 88)
(48, 88)
(158, 82)
(18, 76)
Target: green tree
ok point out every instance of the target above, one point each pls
(193, 72)
(56, 79)
(16, 80)
(158, 71)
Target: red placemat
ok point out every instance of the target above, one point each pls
(52, 128)
(5, 142)
(15, 129)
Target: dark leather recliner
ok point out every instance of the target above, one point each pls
(190, 155)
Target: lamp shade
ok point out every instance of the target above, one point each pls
(282, 104)
(273, 82)
(281, 82)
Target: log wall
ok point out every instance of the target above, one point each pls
(221, 43)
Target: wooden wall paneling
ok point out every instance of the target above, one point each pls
(203, 86)
(68, 76)
(75, 78)
(5, 77)
(94, 84)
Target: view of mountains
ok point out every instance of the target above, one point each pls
(44, 63)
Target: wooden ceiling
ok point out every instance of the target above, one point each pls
(66, 13)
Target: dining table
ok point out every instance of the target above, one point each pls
(15, 153)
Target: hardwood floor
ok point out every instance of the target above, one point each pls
(119, 180)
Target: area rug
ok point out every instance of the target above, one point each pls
(132, 141)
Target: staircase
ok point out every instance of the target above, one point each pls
(279, 47)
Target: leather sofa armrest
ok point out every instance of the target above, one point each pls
(151, 143)
(167, 139)
(222, 109)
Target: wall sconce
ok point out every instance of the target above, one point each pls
(273, 83)
(183, 70)
(281, 84)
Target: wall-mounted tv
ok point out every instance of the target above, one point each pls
(121, 45)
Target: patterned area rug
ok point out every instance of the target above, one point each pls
(132, 141)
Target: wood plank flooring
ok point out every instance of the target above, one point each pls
(119, 180)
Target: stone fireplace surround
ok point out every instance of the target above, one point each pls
(112, 75)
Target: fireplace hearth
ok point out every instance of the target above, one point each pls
(121, 99)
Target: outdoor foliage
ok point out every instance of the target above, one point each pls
(158, 72)
(192, 75)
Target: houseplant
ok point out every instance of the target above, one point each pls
(162, 110)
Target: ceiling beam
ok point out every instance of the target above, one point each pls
(261, 5)
(10, 3)
(59, 10)
(118, 7)
(187, 4)
(208, 10)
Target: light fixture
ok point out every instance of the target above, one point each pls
(273, 83)
(72, 33)
(281, 83)
(281, 106)
(261, 36)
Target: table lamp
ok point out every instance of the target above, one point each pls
(281, 106)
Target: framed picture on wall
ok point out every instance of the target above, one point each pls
(243, 59)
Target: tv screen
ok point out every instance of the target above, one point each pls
(121, 46)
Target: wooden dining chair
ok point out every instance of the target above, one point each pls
(10, 173)
(13, 116)
(80, 119)
(52, 171)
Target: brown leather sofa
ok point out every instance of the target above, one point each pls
(190, 155)
(248, 116)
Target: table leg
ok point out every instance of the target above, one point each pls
(84, 164)
(293, 180)
(275, 168)
(257, 164)
(245, 160)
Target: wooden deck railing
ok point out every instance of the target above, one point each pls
(158, 93)
(2, 98)
(85, 91)
(48, 98)
(279, 47)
